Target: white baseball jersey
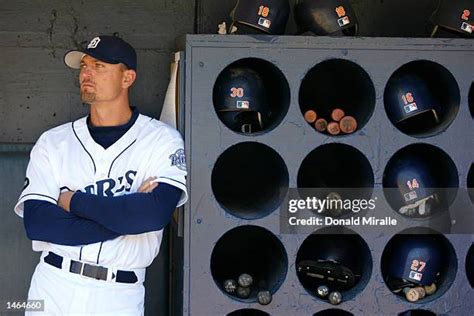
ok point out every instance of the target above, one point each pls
(68, 157)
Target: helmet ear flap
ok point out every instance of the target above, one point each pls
(246, 122)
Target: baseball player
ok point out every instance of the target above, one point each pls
(99, 191)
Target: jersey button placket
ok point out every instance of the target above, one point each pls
(102, 169)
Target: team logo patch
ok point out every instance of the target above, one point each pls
(466, 27)
(94, 42)
(264, 22)
(27, 183)
(415, 276)
(343, 21)
(178, 159)
(410, 196)
(243, 104)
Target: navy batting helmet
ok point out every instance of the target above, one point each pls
(268, 16)
(454, 15)
(324, 17)
(412, 186)
(416, 259)
(240, 99)
(407, 95)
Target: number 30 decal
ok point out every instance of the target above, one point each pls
(236, 92)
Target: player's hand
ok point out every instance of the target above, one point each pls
(64, 200)
(148, 185)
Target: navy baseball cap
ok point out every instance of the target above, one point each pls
(109, 49)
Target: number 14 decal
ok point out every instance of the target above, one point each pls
(413, 184)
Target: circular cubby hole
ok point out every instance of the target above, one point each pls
(251, 96)
(328, 251)
(253, 250)
(336, 168)
(420, 172)
(470, 183)
(333, 312)
(470, 266)
(248, 312)
(421, 98)
(416, 256)
(338, 84)
(417, 312)
(249, 180)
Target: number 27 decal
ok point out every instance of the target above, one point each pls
(417, 265)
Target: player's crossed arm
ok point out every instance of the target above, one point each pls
(128, 214)
(49, 222)
(45, 221)
(147, 186)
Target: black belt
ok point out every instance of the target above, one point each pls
(91, 271)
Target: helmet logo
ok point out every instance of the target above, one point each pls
(264, 22)
(415, 276)
(408, 100)
(243, 104)
(94, 42)
(236, 92)
(410, 196)
(343, 21)
(466, 27)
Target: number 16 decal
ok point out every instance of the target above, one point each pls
(408, 98)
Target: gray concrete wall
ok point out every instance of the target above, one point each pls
(39, 92)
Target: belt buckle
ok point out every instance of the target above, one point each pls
(82, 270)
(95, 272)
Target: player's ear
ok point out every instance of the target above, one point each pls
(128, 78)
